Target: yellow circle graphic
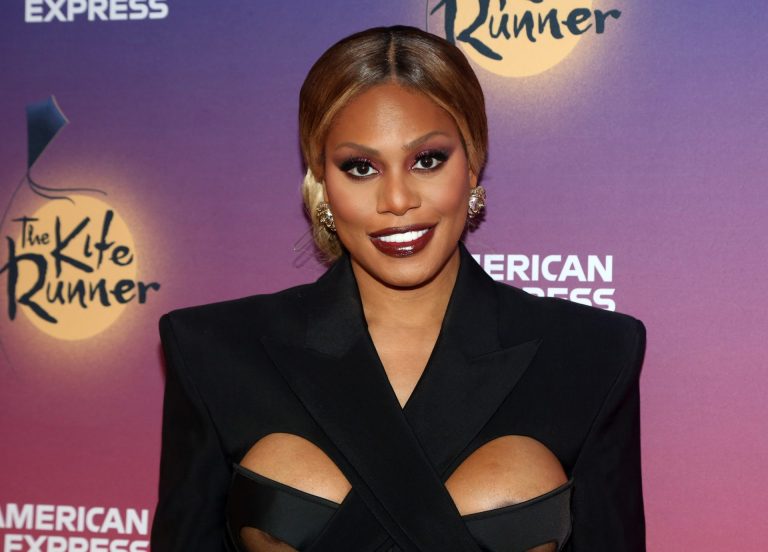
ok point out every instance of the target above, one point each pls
(88, 258)
(526, 37)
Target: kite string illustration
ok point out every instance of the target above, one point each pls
(44, 122)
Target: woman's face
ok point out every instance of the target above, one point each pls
(397, 180)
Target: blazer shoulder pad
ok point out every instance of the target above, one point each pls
(578, 328)
(257, 314)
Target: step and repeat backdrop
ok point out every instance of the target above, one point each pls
(149, 160)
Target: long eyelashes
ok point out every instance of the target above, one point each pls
(426, 161)
(431, 159)
(361, 165)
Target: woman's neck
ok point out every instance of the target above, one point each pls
(418, 307)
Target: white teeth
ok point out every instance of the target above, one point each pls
(404, 237)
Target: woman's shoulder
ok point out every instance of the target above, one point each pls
(597, 336)
(218, 343)
(554, 314)
(525, 316)
(232, 313)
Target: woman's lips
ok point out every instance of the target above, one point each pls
(402, 241)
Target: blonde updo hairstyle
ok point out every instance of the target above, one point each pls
(407, 56)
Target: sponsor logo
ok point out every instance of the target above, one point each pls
(67, 11)
(519, 38)
(65, 528)
(579, 278)
(71, 262)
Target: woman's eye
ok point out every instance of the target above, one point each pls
(429, 160)
(358, 168)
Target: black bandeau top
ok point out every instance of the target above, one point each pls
(297, 518)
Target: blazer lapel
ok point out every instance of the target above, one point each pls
(389, 454)
(351, 400)
(454, 404)
(469, 373)
(336, 373)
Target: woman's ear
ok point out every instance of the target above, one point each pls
(320, 178)
(472, 179)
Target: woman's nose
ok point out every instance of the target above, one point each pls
(397, 195)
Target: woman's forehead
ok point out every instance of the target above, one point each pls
(390, 111)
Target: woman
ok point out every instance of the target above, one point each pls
(405, 400)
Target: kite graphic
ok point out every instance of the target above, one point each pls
(44, 122)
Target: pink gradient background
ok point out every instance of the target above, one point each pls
(648, 143)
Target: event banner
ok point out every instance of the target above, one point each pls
(150, 161)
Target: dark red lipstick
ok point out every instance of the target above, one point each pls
(402, 241)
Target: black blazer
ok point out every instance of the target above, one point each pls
(301, 361)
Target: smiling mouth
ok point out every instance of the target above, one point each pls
(402, 241)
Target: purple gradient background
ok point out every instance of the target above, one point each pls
(648, 143)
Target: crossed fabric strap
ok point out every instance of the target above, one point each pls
(396, 459)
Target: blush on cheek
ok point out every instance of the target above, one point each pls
(453, 200)
(350, 209)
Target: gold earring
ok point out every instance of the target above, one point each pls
(476, 201)
(325, 216)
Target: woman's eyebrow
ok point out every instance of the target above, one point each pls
(362, 148)
(418, 141)
(407, 147)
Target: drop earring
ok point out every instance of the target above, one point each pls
(325, 216)
(476, 201)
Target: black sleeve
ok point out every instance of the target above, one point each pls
(194, 472)
(608, 496)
